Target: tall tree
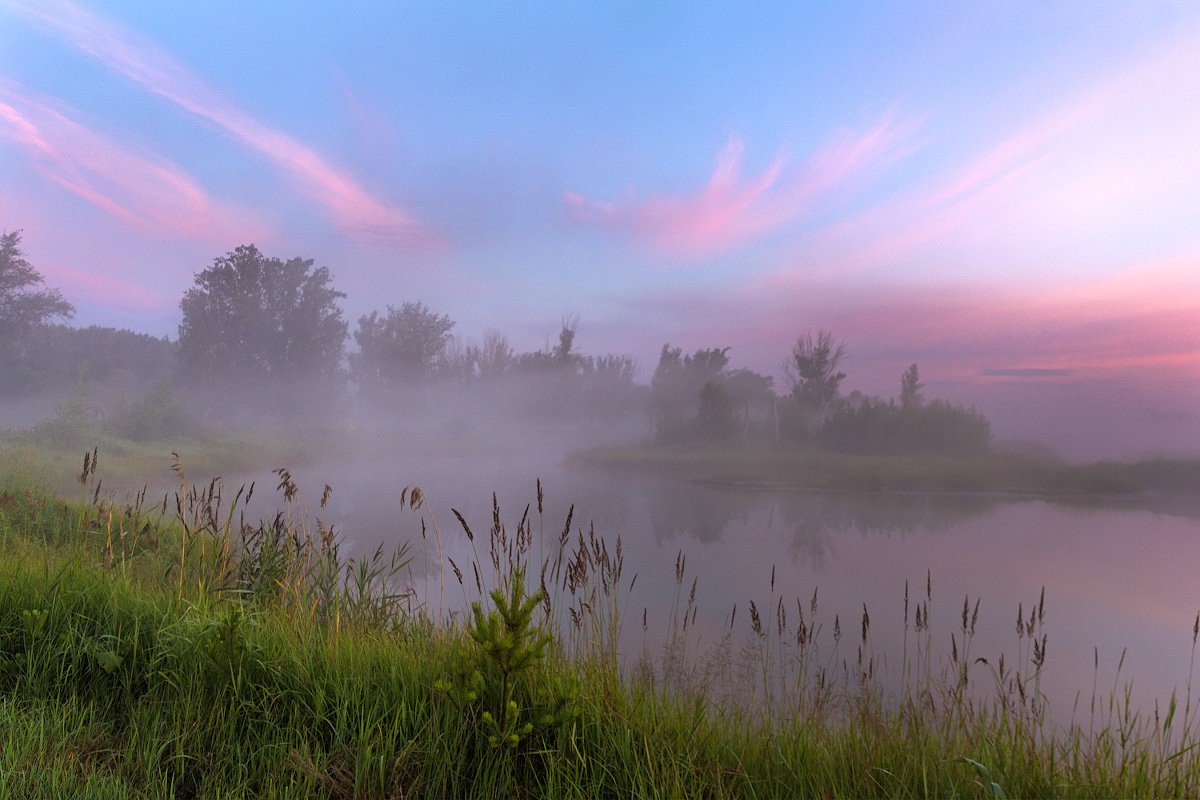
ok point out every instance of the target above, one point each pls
(677, 383)
(813, 369)
(23, 305)
(910, 387)
(401, 347)
(253, 316)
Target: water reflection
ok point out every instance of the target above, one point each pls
(1118, 574)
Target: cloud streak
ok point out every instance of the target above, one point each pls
(960, 332)
(353, 209)
(1070, 175)
(731, 210)
(147, 192)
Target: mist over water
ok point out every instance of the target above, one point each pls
(1116, 573)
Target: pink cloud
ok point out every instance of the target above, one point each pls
(1091, 163)
(353, 208)
(145, 191)
(103, 289)
(730, 210)
(956, 332)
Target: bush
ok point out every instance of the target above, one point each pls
(873, 427)
(73, 426)
(157, 415)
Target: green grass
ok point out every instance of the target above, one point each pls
(26, 458)
(144, 655)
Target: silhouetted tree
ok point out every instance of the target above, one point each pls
(750, 393)
(400, 348)
(560, 359)
(54, 357)
(23, 305)
(812, 369)
(910, 387)
(493, 357)
(715, 418)
(675, 387)
(874, 427)
(250, 316)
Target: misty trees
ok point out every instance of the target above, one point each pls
(871, 426)
(23, 305)
(812, 369)
(402, 347)
(492, 358)
(874, 427)
(255, 317)
(676, 386)
(24, 308)
(910, 387)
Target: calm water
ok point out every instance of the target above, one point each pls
(1116, 578)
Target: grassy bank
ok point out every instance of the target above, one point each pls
(185, 652)
(30, 457)
(814, 469)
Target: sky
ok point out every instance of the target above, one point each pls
(1006, 193)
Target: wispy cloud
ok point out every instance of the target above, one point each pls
(354, 209)
(967, 332)
(1070, 175)
(104, 289)
(730, 210)
(144, 190)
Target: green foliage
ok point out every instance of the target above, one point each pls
(117, 683)
(250, 316)
(506, 691)
(74, 426)
(155, 416)
(55, 357)
(23, 306)
(400, 348)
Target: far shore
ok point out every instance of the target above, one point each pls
(986, 475)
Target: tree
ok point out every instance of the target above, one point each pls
(910, 388)
(812, 369)
(494, 357)
(676, 385)
(253, 316)
(401, 347)
(560, 359)
(750, 392)
(23, 306)
(715, 417)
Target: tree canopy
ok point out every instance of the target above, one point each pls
(910, 387)
(401, 346)
(812, 369)
(251, 315)
(23, 305)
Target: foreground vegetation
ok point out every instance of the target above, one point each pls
(185, 651)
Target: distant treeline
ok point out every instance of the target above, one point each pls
(268, 336)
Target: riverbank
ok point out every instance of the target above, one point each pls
(813, 469)
(154, 655)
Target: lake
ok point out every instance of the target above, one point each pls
(1118, 578)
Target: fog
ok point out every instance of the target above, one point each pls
(490, 434)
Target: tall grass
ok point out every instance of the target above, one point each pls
(177, 649)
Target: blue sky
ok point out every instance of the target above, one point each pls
(983, 188)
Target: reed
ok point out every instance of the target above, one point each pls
(178, 649)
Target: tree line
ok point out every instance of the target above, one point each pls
(253, 323)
